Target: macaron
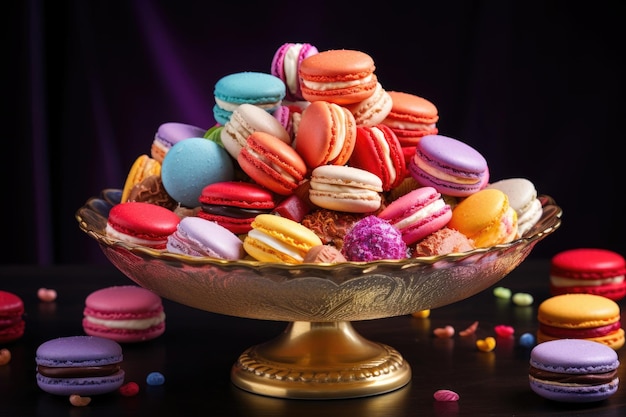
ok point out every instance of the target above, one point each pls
(345, 188)
(143, 167)
(170, 133)
(378, 151)
(272, 163)
(588, 270)
(374, 109)
(125, 313)
(12, 322)
(573, 370)
(151, 190)
(245, 120)
(442, 242)
(417, 214)
(326, 134)
(278, 239)
(449, 165)
(141, 223)
(258, 88)
(580, 316)
(523, 198)
(340, 76)
(235, 204)
(79, 365)
(485, 217)
(192, 164)
(286, 63)
(373, 239)
(411, 117)
(196, 236)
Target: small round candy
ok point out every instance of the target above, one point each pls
(155, 378)
(130, 389)
(445, 395)
(502, 292)
(523, 299)
(527, 340)
(5, 356)
(78, 401)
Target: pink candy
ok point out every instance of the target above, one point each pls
(470, 330)
(444, 332)
(46, 294)
(504, 331)
(5, 356)
(445, 395)
(130, 389)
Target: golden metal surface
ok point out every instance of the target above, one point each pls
(319, 356)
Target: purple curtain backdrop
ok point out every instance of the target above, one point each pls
(537, 87)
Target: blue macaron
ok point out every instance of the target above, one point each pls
(261, 89)
(192, 164)
(573, 370)
(81, 365)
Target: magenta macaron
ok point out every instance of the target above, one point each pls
(125, 314)
(449, 165)
(418, 213)
(285, 64)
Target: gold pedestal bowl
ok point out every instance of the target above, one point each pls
(319, 355)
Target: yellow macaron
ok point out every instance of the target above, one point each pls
(580, 316)
(279, 239)
(485, 217)
(143, 167)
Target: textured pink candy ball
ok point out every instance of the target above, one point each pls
(445, 395)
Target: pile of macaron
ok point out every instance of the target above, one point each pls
(315, 153)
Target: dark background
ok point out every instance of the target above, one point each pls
(536, 86)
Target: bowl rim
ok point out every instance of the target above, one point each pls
(548, 223)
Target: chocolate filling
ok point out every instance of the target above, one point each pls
(588, 379)
(78, 372)
(234, 212)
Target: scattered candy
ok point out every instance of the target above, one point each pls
(79, 401)
(527, 340)
(502, 292)
(486, 345)
(445, 395)
(46, 294)
(523, 299)
(5, 356)
(504, 330)
(470, 330)
(444, 332)
(130, 389)
(422, 314)
(155, 378)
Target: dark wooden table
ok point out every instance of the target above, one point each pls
(198, 349)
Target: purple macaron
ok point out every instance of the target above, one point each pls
(81, 365)
(170, 133)
(196, 236)
(285, 65)
(573, 370)
(449, 165)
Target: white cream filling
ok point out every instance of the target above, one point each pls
(569, 282)
(431, 170)
(317, 86)
(231, 107)
(386, 156)
(111, 232)
(290, 66)
(275, 244)
(138, 324)
(404, 125)
(274, 166)
(421, 214)
(340, 134)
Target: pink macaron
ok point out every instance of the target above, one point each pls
(418, 213)
(286, 63)
(141, 223)
(125, 314)
(449, 165)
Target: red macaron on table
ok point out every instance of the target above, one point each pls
(319, 355)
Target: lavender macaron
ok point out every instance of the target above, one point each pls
(449, 165)
(196, 236)
(170, 133)
(573, 370)
(81, 365)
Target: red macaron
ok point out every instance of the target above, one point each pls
(11, 317)
(272, 163)
(235, 204)
(378, 150)
(588, 270)
(418, 213)
(142, 224)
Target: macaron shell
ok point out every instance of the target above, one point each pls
(171, 133)
(378, 151)
(374, 109)
(480, 217)
(338, 66)
(326, 134)
(523, 199)
(196, 236)
(578, 311)
(143, 167)
(12, 324)
(417, 214)
(144, 221)
(344, 188)
(192, 164)
(272, 163)
(286, 64)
